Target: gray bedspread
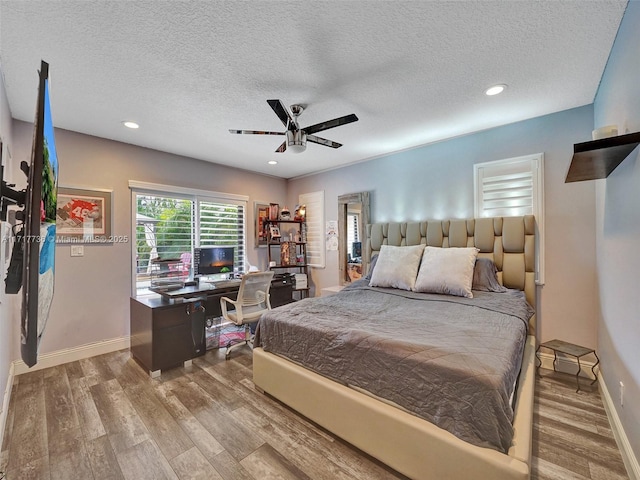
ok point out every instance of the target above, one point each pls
(450, 360)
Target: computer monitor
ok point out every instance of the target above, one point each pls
(356, 249)
(213, 260)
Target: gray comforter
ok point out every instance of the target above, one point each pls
(450, 360)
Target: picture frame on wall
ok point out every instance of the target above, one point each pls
(84, 215)
(261, 216)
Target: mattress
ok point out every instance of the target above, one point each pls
(450, 360)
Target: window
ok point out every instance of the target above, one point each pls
(315, 227)
(170, 222)
(513, 187)
(353, 235)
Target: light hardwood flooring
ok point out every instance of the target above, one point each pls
(104, 418)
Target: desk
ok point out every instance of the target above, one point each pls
(169, 331)
(202, 289)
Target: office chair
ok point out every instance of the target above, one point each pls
(251, 303)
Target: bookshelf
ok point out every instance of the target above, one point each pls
(287, 251)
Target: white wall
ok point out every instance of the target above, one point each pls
(7, 302)
(618, 229)
(91, 301)
(436, 181)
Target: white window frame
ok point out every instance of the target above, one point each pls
(196, 195)
(519, 180)
(316, 238)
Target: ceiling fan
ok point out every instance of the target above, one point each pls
(297, 137)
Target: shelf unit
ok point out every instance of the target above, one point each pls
(288, 252)
(598, 158)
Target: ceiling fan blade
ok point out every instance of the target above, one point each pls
(336, 122)
(282, 148)
(323, 141)
(254, 132)
(281, 112)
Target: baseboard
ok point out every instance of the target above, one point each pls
(5, 403)
(628, 457)
(67, 355)
(567, 364)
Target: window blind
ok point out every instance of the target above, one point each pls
(222, 224)
(163, 229)
(507, 195)
(315, 227)
(171, 221)
(513, 187)
(352, 229)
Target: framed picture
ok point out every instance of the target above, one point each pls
(274, 231)
(83, 216)
(274, 211)
(262, 214)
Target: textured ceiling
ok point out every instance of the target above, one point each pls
(414, 72)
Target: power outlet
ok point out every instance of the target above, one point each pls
(621, 394)
(77, 250)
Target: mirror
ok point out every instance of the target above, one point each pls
(353, 217)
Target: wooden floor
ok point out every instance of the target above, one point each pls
(103, 418)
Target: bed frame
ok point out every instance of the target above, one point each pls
(410, 445)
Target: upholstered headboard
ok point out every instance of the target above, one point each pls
(508, 241)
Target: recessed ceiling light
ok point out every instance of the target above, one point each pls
(495, 90)
(131, 124)
(272, 162)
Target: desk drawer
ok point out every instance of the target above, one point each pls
(170, 317)
(171, 347)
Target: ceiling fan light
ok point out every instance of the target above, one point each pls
(296, 141)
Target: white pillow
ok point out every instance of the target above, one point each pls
(397, 267)
(447, 270)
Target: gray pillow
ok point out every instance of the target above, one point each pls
(374, 259)
(397, 267)
(447, 270)
(485, 278)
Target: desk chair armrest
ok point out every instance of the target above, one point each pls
(267, 301)
(223, 306)
(264, 297)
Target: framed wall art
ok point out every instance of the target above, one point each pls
(83, 215)
(261, 214)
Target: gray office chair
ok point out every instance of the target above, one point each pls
(251, 303)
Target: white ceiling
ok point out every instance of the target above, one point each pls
(414, 72)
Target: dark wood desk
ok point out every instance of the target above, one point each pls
(202, 289)
(169, 331)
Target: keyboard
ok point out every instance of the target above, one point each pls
(227, 283)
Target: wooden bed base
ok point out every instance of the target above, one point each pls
(412, 446)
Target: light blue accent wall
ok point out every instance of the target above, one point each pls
(618, 229)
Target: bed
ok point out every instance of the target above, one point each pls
(383, 425)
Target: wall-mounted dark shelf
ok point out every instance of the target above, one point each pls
(598, 158)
